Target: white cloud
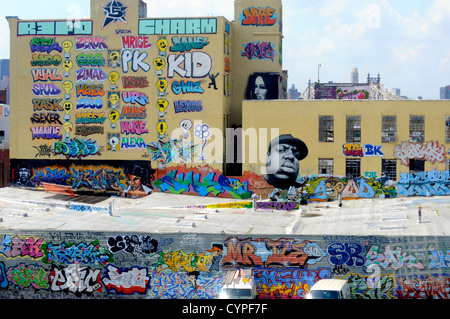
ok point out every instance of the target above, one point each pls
(439, 10)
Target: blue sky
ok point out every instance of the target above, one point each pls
(406, 41)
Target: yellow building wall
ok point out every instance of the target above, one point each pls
(301, 119)
(212, 102)
(257, 46)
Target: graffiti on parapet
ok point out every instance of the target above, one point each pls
(269, 253)
(199, 182)
(364, 287)
(17, 246)
(277, 205)
(76, 279)
(423, 287)
(186, 285)
(81, 253)
(392, 258)
(127, 281)
(288, 283)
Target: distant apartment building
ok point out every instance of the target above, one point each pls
(445, 92)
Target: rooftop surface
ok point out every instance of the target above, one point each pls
(22, 210)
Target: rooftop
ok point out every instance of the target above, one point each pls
(32, 210)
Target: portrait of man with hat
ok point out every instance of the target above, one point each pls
(282, 163)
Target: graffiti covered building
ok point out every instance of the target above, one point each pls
(99, 102)
(350, 148)
(123, 104)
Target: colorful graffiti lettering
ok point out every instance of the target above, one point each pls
(395, 259)
(212, 184)
(259, 16)
(287, 283)
(180, 261)
(127, 281)
(44, 45)
(89, 59)
(135, 97)
(45, 60)
(258, 51)
(51, 174)
(430, 151)
(356, 150)
(76, 148)
(24, 276)
(76, 279)
(187, 87)
(188, 106)
(182, 285)
(136, 143)
(134, 82)
(348, 254)
(133, 112)
(83, 130)
(136, 58)
(90, 74)
(423, 287)
(45, 118)
(196, 65)
(92, 254)
(91, 44)
(47, 104)
(361, 287)
(188, 43)
(278, 205)
(329, 188)
(432, 183)
(12, 247)
(90, 118)
(46, 132)
(133, 127)
(90, 103)
(45, 75)
(135, 42)
(43, 89)
(98, 178)
(172, 150)
(270, 253)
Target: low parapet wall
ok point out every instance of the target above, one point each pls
(73, 265)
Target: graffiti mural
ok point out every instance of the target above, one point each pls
(113, 178)
(430, 151)
(202, 181)
(74, 265)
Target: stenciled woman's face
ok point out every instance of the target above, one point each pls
(260, 88)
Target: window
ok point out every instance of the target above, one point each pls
(389, 169)
(389, 129)
(447, 129)
(417, 128)
(326, 128)
(416, 165)
(353, 133)
(326, 166)
(353, 167)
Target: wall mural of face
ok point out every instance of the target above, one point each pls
(262, 86)
(260, 89)
(282, 163)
